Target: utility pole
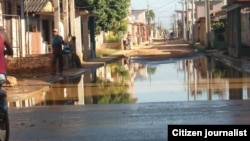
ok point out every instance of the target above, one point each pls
(176, 21)
(193, 41)
(187, 17)
(57, 15)
(65, 17)
(177, 26)
(208, 29)
(183, 20)
(148, 18)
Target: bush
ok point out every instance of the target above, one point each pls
(218, 27)
(111, 38)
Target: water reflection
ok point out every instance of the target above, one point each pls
(131, 80)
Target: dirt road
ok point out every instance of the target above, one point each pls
(162, 50)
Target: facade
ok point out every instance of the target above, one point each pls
(33, 21)
(138, 27)
(238, 27)
(29, 24)
(200, 14)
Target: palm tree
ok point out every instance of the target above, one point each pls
(150, 16)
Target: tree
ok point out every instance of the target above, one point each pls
(150, 15)
(110, 13)
(218, 28)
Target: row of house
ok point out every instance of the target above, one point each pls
(201, 14)
(29, 24)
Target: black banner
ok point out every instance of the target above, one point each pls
(208, 132)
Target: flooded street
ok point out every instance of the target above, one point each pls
(133, 99)
(135, 80)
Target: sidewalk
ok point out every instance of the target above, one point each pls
(30, 86)
(240, 64)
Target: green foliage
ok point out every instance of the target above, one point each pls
(218, 27)
(217, 73)
(151, 70)
(116, 91)
(120, 70)
(150, 15)
(111, 38)
(110, 14)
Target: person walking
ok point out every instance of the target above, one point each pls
(129, 41)
(5, 49)
(57, 50)
(74, 57)
(166, 38)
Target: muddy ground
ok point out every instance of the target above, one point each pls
(162, 50)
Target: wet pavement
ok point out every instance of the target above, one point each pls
(121, 122)
(116, 122)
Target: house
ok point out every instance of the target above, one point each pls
(29, 24)
(138, 27)
(200, 12)
(238, 12)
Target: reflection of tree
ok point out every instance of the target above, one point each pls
(150, 71)
(217, 73)
(220, 70)
(119, 72)
(114, 92)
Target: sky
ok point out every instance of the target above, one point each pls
(163, 9)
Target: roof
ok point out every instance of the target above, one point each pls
(35, 5)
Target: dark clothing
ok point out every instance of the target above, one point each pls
(57, 56)
(74, 57)
(57, 44)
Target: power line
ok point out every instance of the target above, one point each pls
(164, 5)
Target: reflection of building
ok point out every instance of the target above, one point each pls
(66, 92)
(28, 98)
(112, 81)
(199, 81)
(141, 71)
(104, 73)
(213, 78)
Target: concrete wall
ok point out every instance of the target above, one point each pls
(35, 64)
(245, 30)
(112, 45)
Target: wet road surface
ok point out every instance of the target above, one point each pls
(120, 122)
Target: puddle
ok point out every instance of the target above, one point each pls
(133, 80)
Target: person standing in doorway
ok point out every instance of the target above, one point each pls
(74, 57)
(57, 50)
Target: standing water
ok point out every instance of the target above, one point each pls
(134, 80)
